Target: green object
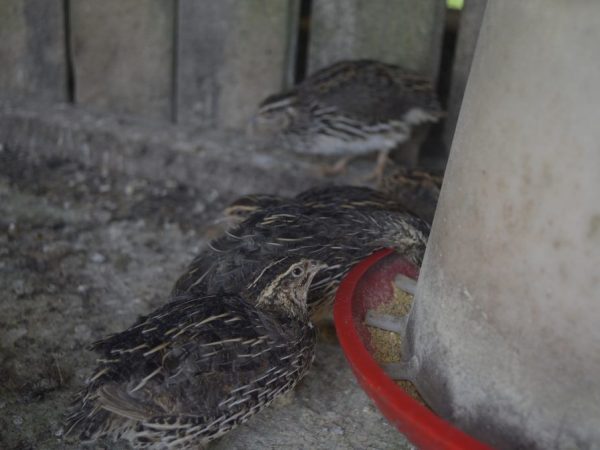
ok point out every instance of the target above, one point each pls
(455, 4)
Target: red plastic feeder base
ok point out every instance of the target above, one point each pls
(367, 285)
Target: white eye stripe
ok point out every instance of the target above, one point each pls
(276, 105)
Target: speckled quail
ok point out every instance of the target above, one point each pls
(323, 197)
(352, 108)
(415, 190)
(339, 233)
(201, 364)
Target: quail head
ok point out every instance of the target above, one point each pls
(417, 189)
(201, 364)
(351, 108)
(339, 229)
(243, 207)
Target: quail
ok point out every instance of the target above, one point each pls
(352, 108)
(324, 197)
(415, 190)
(201, 364)
(339, 236)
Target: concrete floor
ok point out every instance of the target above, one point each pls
(82, 254)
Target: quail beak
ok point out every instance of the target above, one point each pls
(314, 267)
(311, 268)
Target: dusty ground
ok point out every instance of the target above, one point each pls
(82, 254)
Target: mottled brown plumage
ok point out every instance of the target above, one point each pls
(330, 197)
(351, 108)
(201, 364)
(403, 188)
(337, 225)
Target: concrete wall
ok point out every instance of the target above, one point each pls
(197, 62)
(32, 50)
(123, 55)
(231, 55)
(401, 32)
(506, 322)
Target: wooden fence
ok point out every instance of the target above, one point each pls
(207, 62)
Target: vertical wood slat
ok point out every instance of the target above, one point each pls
(231, 55)
(470, 22)
(403, 32)
(123, 55)
(32, 49)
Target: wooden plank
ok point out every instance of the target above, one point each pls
(123, 55)
(32, 49)
(470, 22)
(403, 32)
(231, 55)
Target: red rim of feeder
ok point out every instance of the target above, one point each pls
(420, 425)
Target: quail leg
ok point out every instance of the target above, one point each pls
(338, 168)
(377, 174)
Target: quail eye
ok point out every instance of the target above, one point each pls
(297, 272)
